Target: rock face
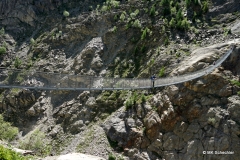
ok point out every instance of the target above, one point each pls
(189, 119)
(178, 122)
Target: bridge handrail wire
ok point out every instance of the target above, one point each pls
(46, 80)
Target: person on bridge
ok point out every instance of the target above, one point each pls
(153, 77)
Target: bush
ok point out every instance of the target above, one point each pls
(8, 154)
(66, 13)
(17, 63)
(32, 41)
(2, 31)
(7, 131)
(129, 103)
(188, 2)
(235, 82)
(211, 121)
(122, 17)
(36, 142)
(114, 29)
(111, 157)
(104, 8)
(166, 41)
(172, 23)
(144, 33)
(3, 50)
(205, 7)
(143, 98)
(161, 72)
(137, 24)
(152, 11)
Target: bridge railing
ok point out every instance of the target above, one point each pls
(45, 80)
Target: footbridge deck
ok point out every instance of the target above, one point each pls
(57, 81)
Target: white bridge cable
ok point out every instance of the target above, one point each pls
(57, 81)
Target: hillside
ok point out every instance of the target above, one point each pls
(127, 39)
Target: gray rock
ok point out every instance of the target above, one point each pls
(194, 150)
(234, 108)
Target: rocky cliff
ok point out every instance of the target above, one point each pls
(130, 39)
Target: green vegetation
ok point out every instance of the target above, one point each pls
(32, 41)
(122, 17)
(7, 131)
(3, 50)
(36, 142)
(145, 32)
(136, 98)
(111, 156)
(109, 4)
(137, 24)
(2, 31)
(205, 7)
(152, 11)
(17, 63)
(66, 13)
(211, 121)
(227, 31)
(114, 29)
(235, 82)
(161, 72)
(8, 154)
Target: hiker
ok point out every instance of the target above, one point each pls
(214, 63)
(153, 77)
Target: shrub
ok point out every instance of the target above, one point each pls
(32, 41)
(2, 50)
(144, 33)
(235, 82)
(111, 157)
(179, 15)
(36, 142)
(211, 121)
(161, 72)
(152, 11)
(166, 41)
(17, 63)
(143, 98)
(205, 7)
(134, 14)
(66, 13)
(188, 2)
(184, 24)
(122, 17)
(7, 131)
(104, 8)
(137, 24)
(165, 2)
(172, 23)
(114, 29)
(173, 11)
(227, 31)
(8, 154)
(2, 31)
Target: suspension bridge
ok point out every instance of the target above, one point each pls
(56, 81)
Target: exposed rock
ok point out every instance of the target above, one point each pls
(234, 108)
